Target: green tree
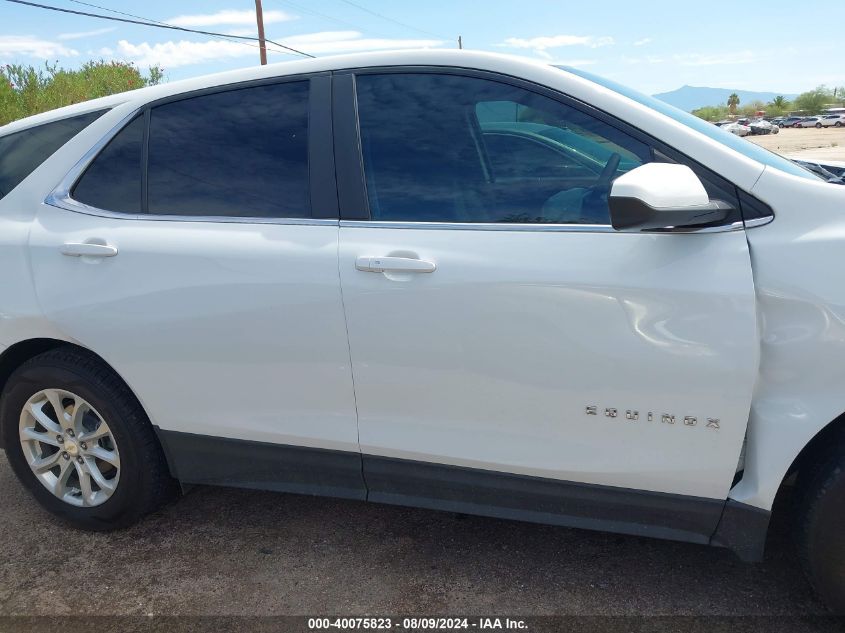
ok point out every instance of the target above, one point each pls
(712, 113)
(733, 102)
(25, 90)
(814, 101)
(779, 102)
(778, 106)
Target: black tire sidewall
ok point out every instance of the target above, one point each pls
(111, 405)
(820, 514)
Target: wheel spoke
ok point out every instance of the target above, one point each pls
(106, 485)
(80, 408)
(60, 487)
(56, 401)
(36, 410)
(30, 434)
(92, 436)
(110, 457)
(43, 464)
(85, 484)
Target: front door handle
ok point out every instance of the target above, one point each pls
(394, 265)
(88, 249)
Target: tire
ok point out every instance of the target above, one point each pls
(136, 480)
(819, 125)
(838, 124)
(820, 512)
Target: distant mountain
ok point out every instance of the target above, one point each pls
(691, 97)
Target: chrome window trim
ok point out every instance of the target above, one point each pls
(60, 196)
(755, 222)
(539, 228)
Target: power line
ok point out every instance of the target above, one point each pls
(132, 15)
(327, 17)
(156, 25)
(384, 17)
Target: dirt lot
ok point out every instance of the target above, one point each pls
(826, 143)
(239, 552)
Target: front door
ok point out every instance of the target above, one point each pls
(499, 328)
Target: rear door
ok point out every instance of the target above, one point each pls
(513, 354)
(198, 255)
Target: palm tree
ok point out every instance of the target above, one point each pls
(779, 103)
(733, 102)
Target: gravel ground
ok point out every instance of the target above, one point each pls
(827, 143)
(220, 552)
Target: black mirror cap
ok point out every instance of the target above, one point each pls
(628, 214)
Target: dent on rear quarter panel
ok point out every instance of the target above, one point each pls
(797, 262)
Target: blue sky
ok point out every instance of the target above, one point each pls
(654, 46)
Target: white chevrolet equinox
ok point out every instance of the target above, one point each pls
(451, 280)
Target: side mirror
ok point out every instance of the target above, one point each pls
(662, 196)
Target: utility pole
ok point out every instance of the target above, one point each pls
(460, 42)
(259, 17)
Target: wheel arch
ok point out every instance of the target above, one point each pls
(828, 438)
(20, 352)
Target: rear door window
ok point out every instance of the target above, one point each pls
(234, 153)
(239, 153)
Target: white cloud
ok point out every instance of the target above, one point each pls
(85, 34)
(542, 43)
(229, 17)
(643, 42)
(252, 32)
(182, 53)
(718, 59)
(648, 59)
(33, 47)
(350, 41)
(173, 54)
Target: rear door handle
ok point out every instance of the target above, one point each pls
(88, 249)
(394, 265)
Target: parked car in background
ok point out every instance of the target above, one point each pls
(776, 121)
(790, 121)
(762, 126)
(737, 128)
(810, 121)
(831, 170)
(835, 120)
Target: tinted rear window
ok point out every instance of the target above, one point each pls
(22, 152)
(238, 153)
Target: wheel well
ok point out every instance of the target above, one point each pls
(830, 438)
(17, 354)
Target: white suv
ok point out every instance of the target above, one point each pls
(444, 279)
(836, 120)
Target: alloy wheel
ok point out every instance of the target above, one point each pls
(69, 447)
